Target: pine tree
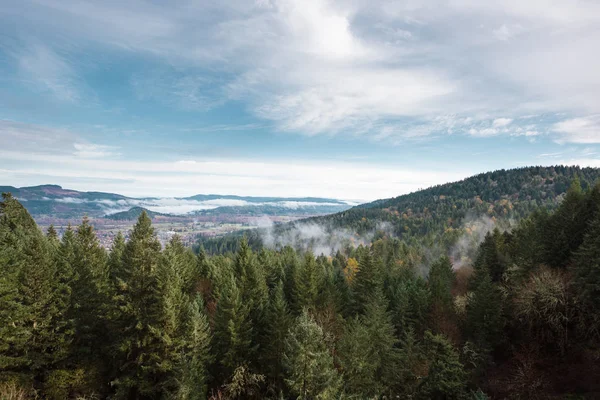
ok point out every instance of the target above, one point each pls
(185, 332)
(446, 378)
(412, 364)
(484, 322)
(139, 345)
(89, 294)
(366, 281)
(310, 372)
(587, 278)
(233, 332)
(307, 283)
(279, 322)
(52, 235)
(35, 336)
(490, 257)
(566, 228)
(368, 353)
(441, 280)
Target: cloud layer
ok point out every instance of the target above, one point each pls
(388, 71)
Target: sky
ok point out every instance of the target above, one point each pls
(342, 99)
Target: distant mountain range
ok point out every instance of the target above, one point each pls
(55, 201)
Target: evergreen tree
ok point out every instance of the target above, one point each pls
(307, 283)
(35, 336)
(368, 353)
(366, 282)
(139, 344)
(279, 322)
(233, 333)
(587, 275)
(441, 280)
(52, 235)
(446, 378)
(89, 294)
(185, 332)
(310, 372)
(566, 228)
(484, 322)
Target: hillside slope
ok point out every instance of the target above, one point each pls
(501, 194)
(437, 217)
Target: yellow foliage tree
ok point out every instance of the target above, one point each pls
(351, 269)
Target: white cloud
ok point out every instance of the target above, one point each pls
(299, 178)
(501, 122)
(36, 139)
(333, 66)
(585, 130)
(50, 72)
(88, 150)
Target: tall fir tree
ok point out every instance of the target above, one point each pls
(279, 320)
(368, 354)
(35, 336)
(446, 378)
(307, 283)
(233, 333)
(310, 372)
(366, 281)
(138, 348)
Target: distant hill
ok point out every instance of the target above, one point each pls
(56, 202)
(133, 214)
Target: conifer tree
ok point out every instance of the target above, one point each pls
(446, 378)
(279, 322)
(368, 353)
(35, 336)
(484, 322)
(310, 372)
(185, 331)
(52, 235)
(307, 283)
(587, 278)
(139, 344)
(441, 280)
(366, 282)
(89, 294)
(233, 332)
(566, 228)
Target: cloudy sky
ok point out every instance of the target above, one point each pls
(348, 99)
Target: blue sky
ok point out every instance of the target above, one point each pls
(347, 99)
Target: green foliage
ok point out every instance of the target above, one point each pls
(233, 332)
(484, 314)
(368, 354)
(587, 278)
(516, 316)
(310, 373)
(35, 336)
(446, 377)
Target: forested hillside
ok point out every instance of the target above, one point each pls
(500, 194)
(522, 321)
(435, 218)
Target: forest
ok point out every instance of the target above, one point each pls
(379, 320)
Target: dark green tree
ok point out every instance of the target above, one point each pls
(446, 377)
(35, 336)
(138, 349)
(310, 372)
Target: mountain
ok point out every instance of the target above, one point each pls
(439, 216)
(500, 195)
(56, 202)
